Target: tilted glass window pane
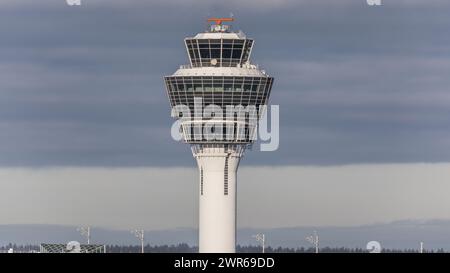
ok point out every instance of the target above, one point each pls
(198, 87)
(204, 53)
(247, 50)
(236, 54)
(226, 63)
(226, 54)
(239, 46)
(195, 50)
(234, 62)
(238, 80)
(215, 53)
(228, 87)
(207, 86)
(191, 54)
(218, 87)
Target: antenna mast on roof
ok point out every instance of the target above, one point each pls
(218, 26)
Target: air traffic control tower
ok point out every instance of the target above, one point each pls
(212, 98)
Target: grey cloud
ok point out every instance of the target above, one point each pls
(269, 197)
(83, 86)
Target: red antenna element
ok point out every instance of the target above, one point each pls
(219, 21)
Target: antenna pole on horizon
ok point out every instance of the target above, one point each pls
(139, 233)
(314, 240)
(86, 232)
(260, 237)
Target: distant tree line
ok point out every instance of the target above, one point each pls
(185, 248)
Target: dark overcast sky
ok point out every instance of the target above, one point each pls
(83, 86)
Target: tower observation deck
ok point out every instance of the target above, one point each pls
(217, 98)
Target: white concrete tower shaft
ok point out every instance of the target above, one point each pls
(217, 190)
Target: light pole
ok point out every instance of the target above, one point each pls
(139, 233)
(85, 231)
(314, 239)
(421, 247)
(260, 237)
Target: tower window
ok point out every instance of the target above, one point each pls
(201, 181)
(225, 178)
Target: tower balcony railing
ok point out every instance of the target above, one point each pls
(245, 65)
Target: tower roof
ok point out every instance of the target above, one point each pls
(220, 35)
